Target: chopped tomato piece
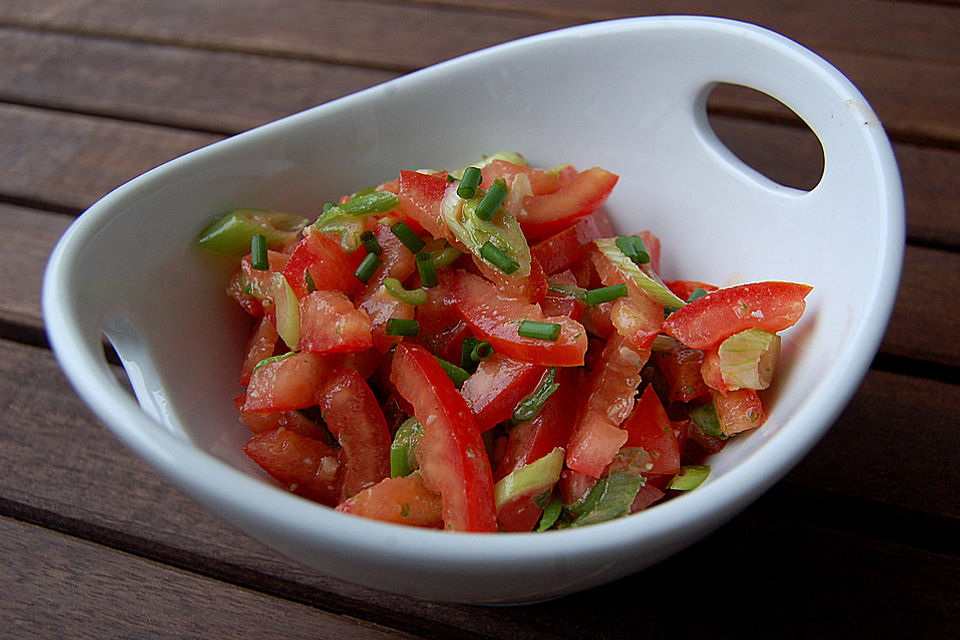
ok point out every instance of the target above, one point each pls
(398, 261)
(652, 243)
(708, 321)
(710, 372)
(261, 345)
(292, 420)
(531, 288)
(399, 500)
(302, 465)
(638, 319)
(442, 328)
(545, 215)
(594, 443)
(451, 452)
(420, 195)
(739, 410)
(542, 181)
(380, 306)
(681, 367)
(550, 428)
(250, 287)
(646, 496)
(559, 304)
(497, 386)
(354, 417)
(650, 428)
(496, 318)
(328, 266)
(562, 249)
(329, 323)
(287, 383)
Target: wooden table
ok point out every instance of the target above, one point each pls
(860, 539)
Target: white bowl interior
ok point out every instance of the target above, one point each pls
(629, 96)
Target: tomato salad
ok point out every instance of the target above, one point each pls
(478, 351)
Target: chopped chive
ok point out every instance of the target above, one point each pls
(492, 200)
(539, 330)
(414, 297)
(550, 514)
(406, 235)
(498, 258)
(450, 178)
(369, 240)
(308, 280)
(328, 205)
(570, 290)
(468, 183)
(605, 294)
(530, 406)
(457, 374)
(627, 247)
(368, 267)
(427, 270)
(465, 350)
(481, 351)
(640, 250)
(699, 292)
(402, 327)
(258, 253)
(270, 359)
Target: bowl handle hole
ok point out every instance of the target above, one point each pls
(766, 135)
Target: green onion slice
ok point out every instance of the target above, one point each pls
(231, 234)
(368, 267)
(641, 275)
(568, 290)
(402, 327)
(347, 219)
(502, 232)
(395, 288)
(492, 200)
(466, 349)
(468, 183)
(594, 297)
(498, 258)
(539, 330)
(258, 253)
(369, 240)
(403, 450)
(481, 351)
(406, 235)
(529, 407)
(427, 270)
(690, 477)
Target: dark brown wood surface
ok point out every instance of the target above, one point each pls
(861, 539)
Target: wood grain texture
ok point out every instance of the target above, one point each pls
(51, 584)
(915, 95)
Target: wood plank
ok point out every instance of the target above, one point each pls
(99, 491)
(217, 91)
(54, 585)
(71, 161)
(915, 95)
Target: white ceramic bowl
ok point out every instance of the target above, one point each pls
(628, 95)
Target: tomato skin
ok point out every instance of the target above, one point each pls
(562, 249)
(545, 215)
(542, 181)
(354, 417)
(324, 259)
(530, 289)
(262, 344)
(685, 288)
(649, 427)
(497, 386)
(302, 465)
(399, 500)
(708, 321)
(550, 428)
(495, 318)
(329, 323)
(451, 451)
(287, 384)
(420, 195)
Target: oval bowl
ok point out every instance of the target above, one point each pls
(627, 95)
